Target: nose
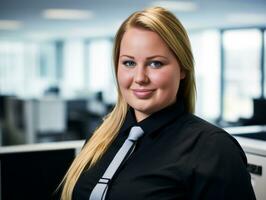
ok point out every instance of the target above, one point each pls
(141, 76)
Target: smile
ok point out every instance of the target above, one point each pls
(143, 93)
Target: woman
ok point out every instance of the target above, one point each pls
(180, 156)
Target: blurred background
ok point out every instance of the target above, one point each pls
(57, 81)
(56, 77)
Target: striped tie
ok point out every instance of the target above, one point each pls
(100, 190)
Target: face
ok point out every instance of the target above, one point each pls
(148, 72)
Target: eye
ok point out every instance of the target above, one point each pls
(129, 63)
(155, 64)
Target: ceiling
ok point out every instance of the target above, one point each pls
(106, 15)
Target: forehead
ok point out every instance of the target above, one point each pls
(137, 40)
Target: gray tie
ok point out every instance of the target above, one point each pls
(100, 190)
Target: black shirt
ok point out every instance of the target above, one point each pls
(180, 157)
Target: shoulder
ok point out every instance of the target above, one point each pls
(198, 124)
(204, 129)
(217, 163)
(211, 140)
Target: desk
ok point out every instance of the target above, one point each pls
(44, 116)
(255, 150)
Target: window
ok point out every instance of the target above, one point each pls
(242, 72)
(27, 68)
(100, 72)
(73, 63)
(206, 50)
(19, 68)
(264, 64)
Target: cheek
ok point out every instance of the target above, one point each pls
(124, 78)
(168, 81)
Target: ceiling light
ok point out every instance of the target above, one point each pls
(66, 14)
(246, 18)
(181, 6)
(10, 24)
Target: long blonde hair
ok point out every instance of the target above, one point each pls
(170, 29)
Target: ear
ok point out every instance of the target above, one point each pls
(182, 74)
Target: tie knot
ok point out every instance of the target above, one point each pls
(135, 133)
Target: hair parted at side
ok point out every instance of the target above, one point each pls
(165, 24)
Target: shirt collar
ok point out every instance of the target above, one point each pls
(155, 121)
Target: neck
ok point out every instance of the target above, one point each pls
(140, 116)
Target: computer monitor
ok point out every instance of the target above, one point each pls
(259, 110)
(2, 107)
(35, 171)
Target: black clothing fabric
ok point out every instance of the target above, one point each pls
(180, 157)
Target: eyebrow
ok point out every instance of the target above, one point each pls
(148, 58)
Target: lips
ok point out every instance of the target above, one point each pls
(143, 93)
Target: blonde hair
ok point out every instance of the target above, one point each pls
(170, 29)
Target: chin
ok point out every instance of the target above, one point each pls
(145, 109)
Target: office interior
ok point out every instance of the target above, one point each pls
(57, 81)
